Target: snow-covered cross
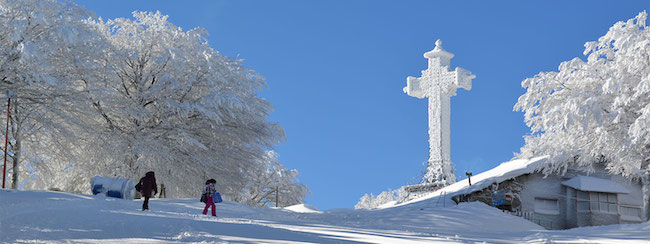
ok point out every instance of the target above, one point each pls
(439, 84)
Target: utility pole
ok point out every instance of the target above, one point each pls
(469, 177)
(4, 168)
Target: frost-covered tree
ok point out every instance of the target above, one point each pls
(166, 101)
(371, 201)
(365, 202)
(273, 182)
(596, 111)
(126, 96)
(37, 38)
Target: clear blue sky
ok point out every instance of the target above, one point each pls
(335, 72)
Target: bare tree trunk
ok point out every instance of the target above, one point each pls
(17, 146)
(277, 195)
(131, 161)
(16, 162)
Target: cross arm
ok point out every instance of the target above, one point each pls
(460, 78)
(414, 87)
(464, 78)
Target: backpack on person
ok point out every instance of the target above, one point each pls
(138, 187)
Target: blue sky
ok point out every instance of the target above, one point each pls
(335, 72)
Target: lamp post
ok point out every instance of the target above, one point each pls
(10, 94)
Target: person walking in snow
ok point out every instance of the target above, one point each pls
(208, 191)
(148, 183)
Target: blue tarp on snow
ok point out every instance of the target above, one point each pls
(113, 187)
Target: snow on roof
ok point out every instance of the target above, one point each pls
(503, 172)
(588, 183)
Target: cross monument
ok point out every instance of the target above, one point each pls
(439, 84)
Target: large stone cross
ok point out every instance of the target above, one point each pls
(439, 84)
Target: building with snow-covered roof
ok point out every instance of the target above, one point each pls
(570, 200)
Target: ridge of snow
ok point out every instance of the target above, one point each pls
(303, 208)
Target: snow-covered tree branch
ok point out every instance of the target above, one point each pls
(596, 111)
(274, 182)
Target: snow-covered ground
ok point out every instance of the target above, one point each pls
(55, 217)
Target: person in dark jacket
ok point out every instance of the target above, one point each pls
(148, 183)
(208, 190)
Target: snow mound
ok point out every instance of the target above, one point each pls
(303, 208)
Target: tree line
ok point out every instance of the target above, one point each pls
(125, 96)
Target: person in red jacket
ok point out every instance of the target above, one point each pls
(148, 183)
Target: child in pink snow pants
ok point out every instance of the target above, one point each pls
(208, 190)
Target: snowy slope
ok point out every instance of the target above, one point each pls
(54, 217)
